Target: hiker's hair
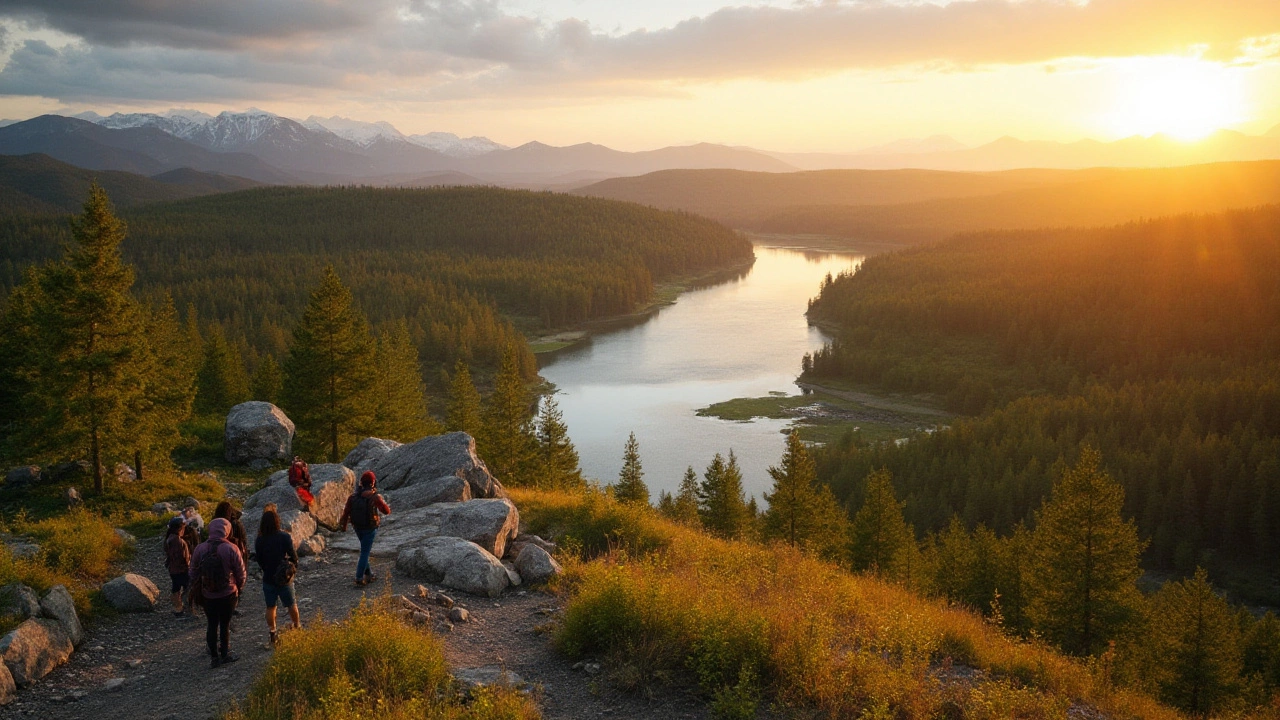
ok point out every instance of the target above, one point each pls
(270, 524)
(223, 510)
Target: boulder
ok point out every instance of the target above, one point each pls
(331, 485)
(300, 525)
(515, 546)
(259, 464)
(491, 524)
(19, 600)
(488, 676)
(22, 549)
(369, 451)
(313, 545)
(536, 565)
(449, 488)
(34, 649)
(22, 477)
(131, 593)
(457, 563)
(257, 430)
(125, 473)
(57, 604)
(125, 536)
(513, 576)
(8, 688)
(434, 457)
(75, 470)
(164, 508)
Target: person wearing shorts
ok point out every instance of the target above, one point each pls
(274, 551)
(177, 557)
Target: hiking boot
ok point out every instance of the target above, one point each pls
(229, 657)
(216, 661)
(275, 638)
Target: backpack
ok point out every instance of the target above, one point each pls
(213, 572)
(285, 572)
(364, 512)
(300, 474)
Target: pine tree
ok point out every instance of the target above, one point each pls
(329, 371)
(222, 381)
(506, 439)
(684, 506)
(721, 502)
(463, 413)
(557, 457)
(878, 533)
(84, 350)
(170, 388)
(400, 396)
(1084, 561)
(800, 513)
(630, 487)
(1197, 640)
(267, 380)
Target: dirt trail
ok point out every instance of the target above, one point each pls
(167, 676)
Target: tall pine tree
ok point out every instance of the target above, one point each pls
(170, 388)
(400, 397)
(801, 513)
(684, 506)
(463, 413)
(557, 459)
(722, 505)
(879, 534)
(630, 487)
(267, 380)
(329, 371)
(506, 440)
(1197, 640)
(1084, 561)
(222, 381)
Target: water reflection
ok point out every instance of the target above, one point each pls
(740, 338)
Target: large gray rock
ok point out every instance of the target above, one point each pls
(300, 525)
(449, 488)
(57, 604)
(369, 451)
(491, 524)
(331, 485)
(34, 649)
(536, 565)
(435, 457)
(22, 477)
(8, 688)
(130, 593)
(19, 600)
(257, 431)
(454, 562)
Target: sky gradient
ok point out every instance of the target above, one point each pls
(791, 76)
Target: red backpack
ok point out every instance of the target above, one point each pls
(299, 474)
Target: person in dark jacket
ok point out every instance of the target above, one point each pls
(363, 510)
(222, 578)
(273, 550)
(177, 559)
(238, 536)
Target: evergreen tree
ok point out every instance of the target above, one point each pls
(84, 352)
(684, 506)
(329, 371)
(506, 440)
(222, 381)
(463, 413)
(170, 388)
(1083, 561)
(630, 487)
(557, 457)
(722, 504)
(879, 533)
(267, 380)
(800, 513)
(1198, 645)
(400, 396)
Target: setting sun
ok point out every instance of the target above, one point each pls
(1184, 98)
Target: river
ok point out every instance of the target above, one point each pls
(741, 338)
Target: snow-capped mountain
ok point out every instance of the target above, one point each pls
(454, 146)
(358, 132)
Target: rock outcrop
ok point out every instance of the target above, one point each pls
(57, 604)
(129, 593)
(331, 484)
(257, 431)
(431, 458)
(536, 565)
(19, 600)
(293, 519)
(490, 523)
(34, 649)
(454, 562)
(369, 451)
(22, 477)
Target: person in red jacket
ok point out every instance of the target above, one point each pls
(219, 568)
(364, 511)
(300, 481)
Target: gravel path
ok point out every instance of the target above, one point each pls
(166, 673)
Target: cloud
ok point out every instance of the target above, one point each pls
(427, 49)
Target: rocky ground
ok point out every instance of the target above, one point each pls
(154, 666)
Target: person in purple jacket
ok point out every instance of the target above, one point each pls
(219, 567)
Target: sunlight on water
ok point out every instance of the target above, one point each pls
(743, 338)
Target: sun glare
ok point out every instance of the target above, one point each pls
(1185, 98)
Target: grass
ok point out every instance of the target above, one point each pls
(750, 626)
(370, 665)
(821, 417)
(552, 346)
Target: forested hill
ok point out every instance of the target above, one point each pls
(451, 261)
(1157, 342)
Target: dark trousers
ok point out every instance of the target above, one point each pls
(218, 612)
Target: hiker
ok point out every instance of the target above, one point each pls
(279, 562)
(363, 508)
(300, 481)
(232, 515)
(177, 556)
(191, 515)
(190, 538)
(218, 567)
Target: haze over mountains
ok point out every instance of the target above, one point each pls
(269, 148)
